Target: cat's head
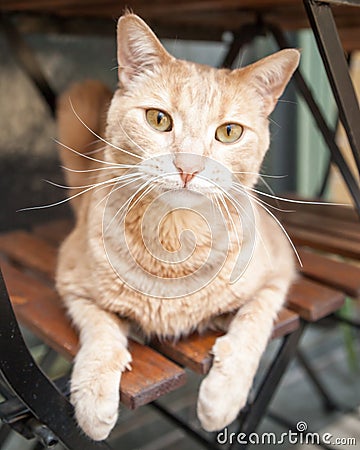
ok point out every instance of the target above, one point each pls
(193, 114)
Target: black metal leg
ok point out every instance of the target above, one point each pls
(257, 410)
(188, 429)
(38, 446)
(5, 431)
(26, 58)
(352, 323)
(327, 38)
(245, 35)
(49, 407)
(288, 425)
(325, 130)
(329, 403)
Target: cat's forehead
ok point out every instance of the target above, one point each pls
(192, 86)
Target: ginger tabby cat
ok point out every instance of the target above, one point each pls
(179, 148)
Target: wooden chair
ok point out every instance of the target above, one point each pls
(28, 261)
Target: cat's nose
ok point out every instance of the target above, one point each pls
(185, 176)
(188, 165)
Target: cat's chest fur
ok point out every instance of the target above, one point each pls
(88, 270)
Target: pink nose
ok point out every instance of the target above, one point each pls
(188, 165)
(186, 177)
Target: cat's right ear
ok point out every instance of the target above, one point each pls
(138, 49)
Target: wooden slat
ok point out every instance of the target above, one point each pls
(337, 274)
(331, 226)
(342, 213)
(39, 308)
(321, 241)
(188, 16)
(338, 212)
(286, 323)
(29, 251)
(36, 250)
(194, 352)
(341, 275)
(313, 301)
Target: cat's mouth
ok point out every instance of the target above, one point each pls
(198, 184)
(192, 174)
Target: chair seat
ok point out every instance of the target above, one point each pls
(28, 261)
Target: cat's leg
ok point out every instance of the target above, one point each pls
(102, 357)
(223, 393)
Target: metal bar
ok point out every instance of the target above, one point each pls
(257, 409)
(324, 129)
(245, 35)
(192, 432)
(32, 387)
(13, 409)
(292, 427)
(327, 172)
(344, 2)
(328, 401)
(347, 321)
(325, 180)
(38, 446)
(27, 60)
(332, 53)
(5, 432)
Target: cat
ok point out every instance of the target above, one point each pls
(178, 147)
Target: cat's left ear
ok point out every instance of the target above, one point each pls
(138, 49)
(270, 75)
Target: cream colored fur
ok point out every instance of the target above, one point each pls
(101, 305)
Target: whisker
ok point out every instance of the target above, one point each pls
(256, 200)
(115, 179)
(260, 174)
(123, 166)
(127, 202)
(60, 202)
(258, 234)
(290, 200)
(143, 194)
(56, 203)
(239, 187)
(222, 199)
(99, 137)
(140, 176)
(96, 150)
(216, 199)
(288, 101)
(273, 121)
(85, 156)
(132, 140)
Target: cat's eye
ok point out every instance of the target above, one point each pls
(159, 120)
(229, 133)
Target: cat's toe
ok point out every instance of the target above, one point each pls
(223, 393)
(218, 405)
(96, 406)
(96, 418)
(95, 392)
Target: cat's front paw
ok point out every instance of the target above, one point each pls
(223, 393)
(95, 395)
